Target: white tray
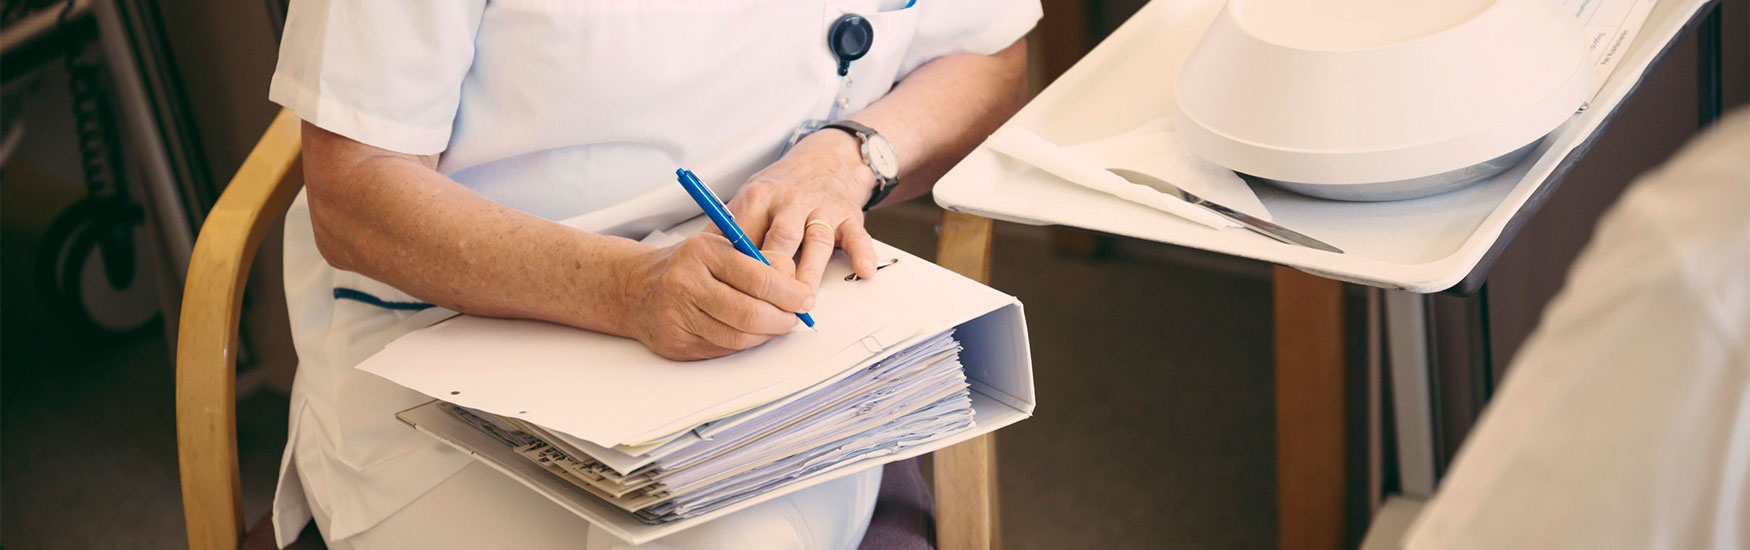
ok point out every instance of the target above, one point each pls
(1422, 245)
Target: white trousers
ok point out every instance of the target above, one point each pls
(482, 508)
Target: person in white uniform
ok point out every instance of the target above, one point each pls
(1625, 420)
(501, 157)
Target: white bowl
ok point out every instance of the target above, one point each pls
(1358, 92)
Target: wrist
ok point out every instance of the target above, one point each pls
(838, 143)
(607, 269)
(846, 154)
(877, 153)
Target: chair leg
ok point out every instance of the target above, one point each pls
(966, 474)
(966, 495)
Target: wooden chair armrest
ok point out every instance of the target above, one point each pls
(206, 348)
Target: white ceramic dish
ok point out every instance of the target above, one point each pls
(1359, 93)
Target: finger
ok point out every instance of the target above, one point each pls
(855, 239)
(817, 244)
(742, 313)
(785, 234)
(752, 217)
(760, 281)
(785, 264)
(722, 335)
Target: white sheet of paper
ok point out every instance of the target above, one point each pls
(1610, 27)
(613, 391)
(1028, 147)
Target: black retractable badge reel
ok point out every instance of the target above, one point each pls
(849, 38)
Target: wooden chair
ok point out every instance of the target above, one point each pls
(206, 360)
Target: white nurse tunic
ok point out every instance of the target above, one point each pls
(575, 110)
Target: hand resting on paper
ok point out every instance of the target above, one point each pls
(822, 178)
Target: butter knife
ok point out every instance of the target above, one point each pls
(1251, 222)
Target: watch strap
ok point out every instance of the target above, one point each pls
(853, 127)
(883, 185)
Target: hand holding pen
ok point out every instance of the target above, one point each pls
(703, 298)
(725, 222)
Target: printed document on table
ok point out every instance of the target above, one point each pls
(1610, 27)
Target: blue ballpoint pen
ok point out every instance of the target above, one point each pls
(725, 221)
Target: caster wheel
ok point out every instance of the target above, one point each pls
(89, 268)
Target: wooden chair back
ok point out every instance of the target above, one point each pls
(206, 344)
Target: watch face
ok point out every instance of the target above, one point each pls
(880, 156)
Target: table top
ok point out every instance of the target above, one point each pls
(1438, 243)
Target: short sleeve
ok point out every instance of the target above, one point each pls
(949, 27)
(386, 73)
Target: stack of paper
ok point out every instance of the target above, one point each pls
(916, 396)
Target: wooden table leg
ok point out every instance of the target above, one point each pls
(1310, 363)
(964, 246)
(966, 474)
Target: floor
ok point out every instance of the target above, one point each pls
(1153, 368)
(87, 433)
(1153, 428)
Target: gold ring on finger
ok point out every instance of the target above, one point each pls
(822, 223)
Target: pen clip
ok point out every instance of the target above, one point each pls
(713, 193)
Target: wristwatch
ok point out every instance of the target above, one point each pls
(878, 154)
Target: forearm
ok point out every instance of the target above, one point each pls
(395, 219)
(945, 108)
